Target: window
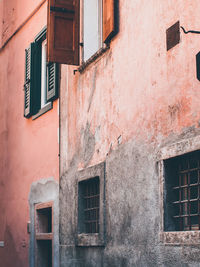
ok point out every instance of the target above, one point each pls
(43, 234)
(91, 206)
(92, 27)
(182, 192)
(100, 24)
(40, 78)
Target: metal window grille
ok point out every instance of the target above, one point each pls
(187, 193)
(91, 205)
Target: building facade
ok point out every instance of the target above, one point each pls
(127, 76)
(130, 138)
(29, 144)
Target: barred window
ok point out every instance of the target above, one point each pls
(89, 194)
(182, 193)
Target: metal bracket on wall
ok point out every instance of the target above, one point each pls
(186, 32)
(75, 71)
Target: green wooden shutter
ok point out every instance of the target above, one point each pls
(28, 85)
(36, 94)
(32, 93)
(52, 81)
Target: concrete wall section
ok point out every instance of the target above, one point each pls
(133, 216)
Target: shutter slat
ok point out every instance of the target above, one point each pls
(28, 86)
(52, 81)
(31, 88)
(63, 31)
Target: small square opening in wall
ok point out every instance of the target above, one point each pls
(88, 206)
(182, 192)
(43, 219)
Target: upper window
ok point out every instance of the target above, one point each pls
(92, 27)
(100, 24)
(40, 78)
(182, 193)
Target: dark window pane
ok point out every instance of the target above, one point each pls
(194, 220)
(193, 177)
(193, 163)
(183, 164)
(193, 192)
(194, 207)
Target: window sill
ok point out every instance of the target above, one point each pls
(43, 110)
(89, 240)
(99, 53)
(180, 238)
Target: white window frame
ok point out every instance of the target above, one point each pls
(44, 74)
(44, 105)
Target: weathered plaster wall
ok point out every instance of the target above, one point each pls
(28, 149)
(133, 100)
(14, 14)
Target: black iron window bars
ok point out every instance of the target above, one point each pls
(91, 205)
(187, 193)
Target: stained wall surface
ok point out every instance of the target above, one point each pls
(122, 109)
(28, 148)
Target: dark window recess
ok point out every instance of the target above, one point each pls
(198, 65)
(44, 220)
(173, 35)
(43, 234)
(89, 194)
(182, 193)
(44, 253)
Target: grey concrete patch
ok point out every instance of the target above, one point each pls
(133, 215)
(42, 191)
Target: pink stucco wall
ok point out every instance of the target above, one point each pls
(28, 149)
(137, 89)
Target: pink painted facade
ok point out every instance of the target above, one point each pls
(132, 93)
(131, 109)
(29, 148)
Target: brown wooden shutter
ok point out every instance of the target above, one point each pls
(63, 31)
(110, 19)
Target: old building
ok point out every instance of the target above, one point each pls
(127, 75)
(29, 148)
(130, 137)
